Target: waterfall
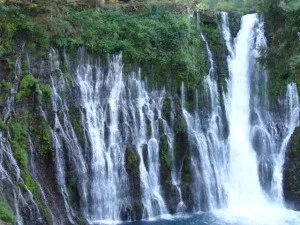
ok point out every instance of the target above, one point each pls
(243, 186)
(290, 121)
(116, 113)
(208, 160)
(145, 111)
(14, 183)
(101, 102)
(7, 176)
(112, 139)
(33, 170)
(176, 172)
(258, 136)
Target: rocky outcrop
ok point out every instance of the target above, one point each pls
(291, 175)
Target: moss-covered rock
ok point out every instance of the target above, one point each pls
(165, 158)
(291, 172)
(6, 213)
(132, 168)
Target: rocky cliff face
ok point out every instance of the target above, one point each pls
(292, 171)
(79, 129)
(46, 138)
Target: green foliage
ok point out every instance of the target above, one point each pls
(160, 38)
(6, 214)
(157, 36)
(27, 87)
(211, 29)
(31, 185)
(20, 154)
(6, 86)
(2, 125)
(30, 86)
(240, 6)
(18, 25)
(290, 6)
(19, 143)
(46, 92)
(281, 58)
(164, 153)
(42, 137)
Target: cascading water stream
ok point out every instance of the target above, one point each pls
(100, 99)
(175, 172)
(143, 111)
(291, 120)
(243, 186)
(257, 137)
(106, 106)
(14, 183)
(209, 161)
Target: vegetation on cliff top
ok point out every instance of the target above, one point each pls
(161, 38)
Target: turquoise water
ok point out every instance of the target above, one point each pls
(287, 218)
(197, 219)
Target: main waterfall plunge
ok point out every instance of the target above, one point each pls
(134, 152)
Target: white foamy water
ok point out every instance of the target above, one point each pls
(257, 146)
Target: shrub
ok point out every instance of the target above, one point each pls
(27, 87)
(156, 36)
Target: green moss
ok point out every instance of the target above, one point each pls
(68, 77)
(234, 23)
(180, 126)
(190, 106)
(19, 143)
(166, 109)
(6, 86)
(280, 58)
(27, 87)
(2, 125)
(20, 154)
(46, 92)
(161, 38)
(31, 185)
(42, 137)
(131, 161)
(75, 117)
(72, 189)
(30, 86)
(18, 25)
(164, 153)
(6, 214)
(47, 214)
(186, 177)
(218, 47)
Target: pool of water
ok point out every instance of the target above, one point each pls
(229, 217)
